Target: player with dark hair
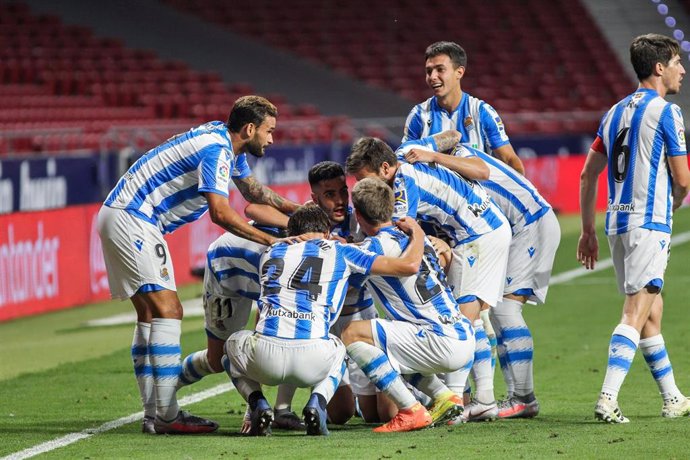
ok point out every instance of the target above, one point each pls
(642, 141)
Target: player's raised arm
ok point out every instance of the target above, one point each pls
(223, 215)
(264, 214)
(408, 262)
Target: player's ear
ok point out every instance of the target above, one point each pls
(460, 71)
(249, 129)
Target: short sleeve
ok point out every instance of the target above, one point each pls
(413, 125)
(214, 170)
(492, 127)
(358, 260)
(241, 169)
(673, 129)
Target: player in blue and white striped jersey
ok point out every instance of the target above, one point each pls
(302, 291)
(642, 141)
(173, 184)
(450, 108)
(424, 331)
(479, 235)
(536, 235)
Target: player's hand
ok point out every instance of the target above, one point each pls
(246, 421)
(408, 225)
(338, 238)
(421, 155)
(302, 237)
(588, 250)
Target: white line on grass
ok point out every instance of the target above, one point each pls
(74, 437)
(217, 390)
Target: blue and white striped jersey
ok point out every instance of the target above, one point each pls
(479, 123)
(234, 263)
(348, 229)
(437, 195)
(515, 196)
(638, 134)
(303, 286)
(358, 297)
(425, 298)
(164, 186)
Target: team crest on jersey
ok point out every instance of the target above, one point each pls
(164, 274)
(468, 123)
(635, 99)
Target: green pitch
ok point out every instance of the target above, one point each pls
(58, 377)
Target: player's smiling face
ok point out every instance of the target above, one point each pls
(441, 76)
(263, 137)
(673, 74)
(332, 196)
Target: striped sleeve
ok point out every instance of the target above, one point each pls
(214, 170)
(357, 259)
(241, 169)
(673, 128)
(492, 126)
(413, 125)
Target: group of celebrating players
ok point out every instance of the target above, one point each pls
(444, 234)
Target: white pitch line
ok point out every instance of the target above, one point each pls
(74, 437)
(217, 390)
(570, 275)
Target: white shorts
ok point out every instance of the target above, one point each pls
(358, 380)
(135, 253)
(414, 349)
(531, 256)
(639, 257)
(272, 361)
(478, 268)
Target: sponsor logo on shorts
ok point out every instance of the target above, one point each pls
(509, 280)
(531, 252)
(164, 274)
(139, 244)
(662, 243)
(281, 313)
(471, 260)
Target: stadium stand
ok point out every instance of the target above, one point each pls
(520, 59)
(63, 89)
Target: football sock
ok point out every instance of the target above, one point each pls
(490, 334)
(375, 364)
(142, 367)
(518, 344)
(622, 349)
(482, 372)
(501, 352)
(431, 385)
(327, 387)
(164, 350)
(654, 352)
(284, 397)
(254, 398)
(194, 367)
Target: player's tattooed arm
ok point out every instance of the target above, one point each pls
(447, 140)
(255, 192)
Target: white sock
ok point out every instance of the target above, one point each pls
(518, 344)
(194, 368)
(482, 372)
(501, 353)
(490, 334)
(142, 367)
(654, 352)
(165, 353)
(430, 385)
(328, 386)
(375, 364)
(284, 397)
(622, 350)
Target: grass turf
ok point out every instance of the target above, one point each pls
(58, 377)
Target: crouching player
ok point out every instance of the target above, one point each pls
(302, 291)
(424, 333)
